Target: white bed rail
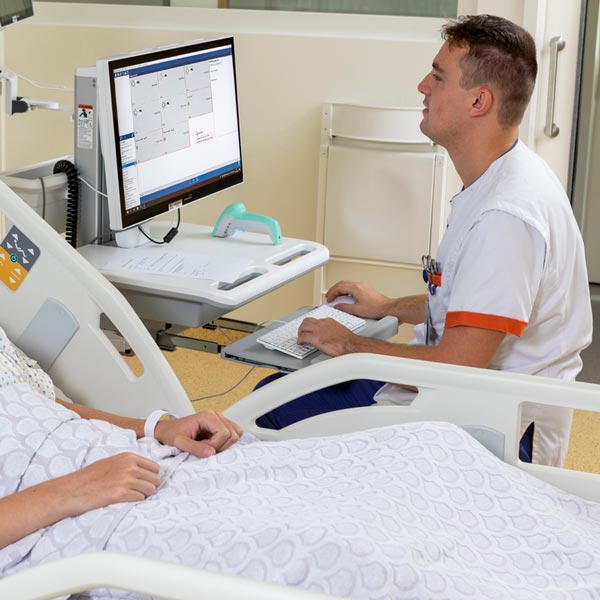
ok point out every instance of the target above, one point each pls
(89, 369)
(150, 577)
(465, 396)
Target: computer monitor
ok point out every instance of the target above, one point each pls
(169, 128)
(12, 11)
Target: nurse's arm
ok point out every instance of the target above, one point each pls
(468, 346)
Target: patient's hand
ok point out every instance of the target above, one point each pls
(367, 302)
(328, 336)
(125, 477)
(202, 434)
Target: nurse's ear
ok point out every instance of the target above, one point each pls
(483, 101)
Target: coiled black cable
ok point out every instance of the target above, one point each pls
(72, 224)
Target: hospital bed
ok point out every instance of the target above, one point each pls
(60, 291)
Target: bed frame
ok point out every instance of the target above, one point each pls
(485, 403)
(90, 370)
(52, 309)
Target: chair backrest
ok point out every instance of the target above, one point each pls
(51, 302)
(381, 195)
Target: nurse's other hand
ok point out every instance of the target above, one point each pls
(367, 302)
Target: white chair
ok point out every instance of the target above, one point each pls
(380, 197)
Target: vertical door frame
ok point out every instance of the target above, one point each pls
(587, 106)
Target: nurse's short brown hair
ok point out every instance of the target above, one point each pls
(499, 54)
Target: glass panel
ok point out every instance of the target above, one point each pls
(409, 8)
(413, 8)
(134, 2)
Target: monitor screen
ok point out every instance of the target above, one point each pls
(169, 128)
(12, 11)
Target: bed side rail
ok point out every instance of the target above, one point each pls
(471, 398)
(37, 266)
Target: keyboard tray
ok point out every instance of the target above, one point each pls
(249, 351)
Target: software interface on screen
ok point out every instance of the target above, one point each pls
(177, 128)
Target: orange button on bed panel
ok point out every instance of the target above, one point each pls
(11, 272)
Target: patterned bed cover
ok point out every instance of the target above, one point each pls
(416, 510)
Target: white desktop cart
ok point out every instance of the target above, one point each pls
(182, 302)
(160, 299)
(187, 302)
(194, 302)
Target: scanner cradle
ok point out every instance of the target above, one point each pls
(236, 218)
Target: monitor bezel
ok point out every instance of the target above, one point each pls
(109, 136)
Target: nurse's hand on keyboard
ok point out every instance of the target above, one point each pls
(368, 303)
(285, 337)
(328, 336)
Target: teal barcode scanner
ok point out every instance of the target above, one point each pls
(235, 218)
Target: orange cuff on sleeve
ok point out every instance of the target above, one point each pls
(483, 321)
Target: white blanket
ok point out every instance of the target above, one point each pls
(414, 511)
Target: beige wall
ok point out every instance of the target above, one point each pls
(283, 79)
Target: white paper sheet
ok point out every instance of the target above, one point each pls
(155, 261)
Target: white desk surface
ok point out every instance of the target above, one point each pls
(265, 255)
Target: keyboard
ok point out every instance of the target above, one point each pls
(285, 337)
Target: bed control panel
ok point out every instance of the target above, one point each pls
(18, 254)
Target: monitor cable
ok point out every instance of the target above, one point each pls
(227, 391)
(264, 324)
(88, 184)
(169, 235)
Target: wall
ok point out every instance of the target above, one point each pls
(284, 76)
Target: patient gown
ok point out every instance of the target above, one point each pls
(412, 511)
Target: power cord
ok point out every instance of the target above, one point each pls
(45, 86)
(226, 391)
(258, 326)
(72, 224)
(92, 187)
(235, 385)
(169, 235)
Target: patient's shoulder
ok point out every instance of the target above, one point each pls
(16, 367)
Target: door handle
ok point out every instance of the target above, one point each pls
(551, 129)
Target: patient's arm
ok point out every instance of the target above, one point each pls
(372, 305)
(86, 412)
(125, 477)
(202, 434)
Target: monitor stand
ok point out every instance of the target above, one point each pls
(132, 238)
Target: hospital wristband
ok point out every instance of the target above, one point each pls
(152, 420)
